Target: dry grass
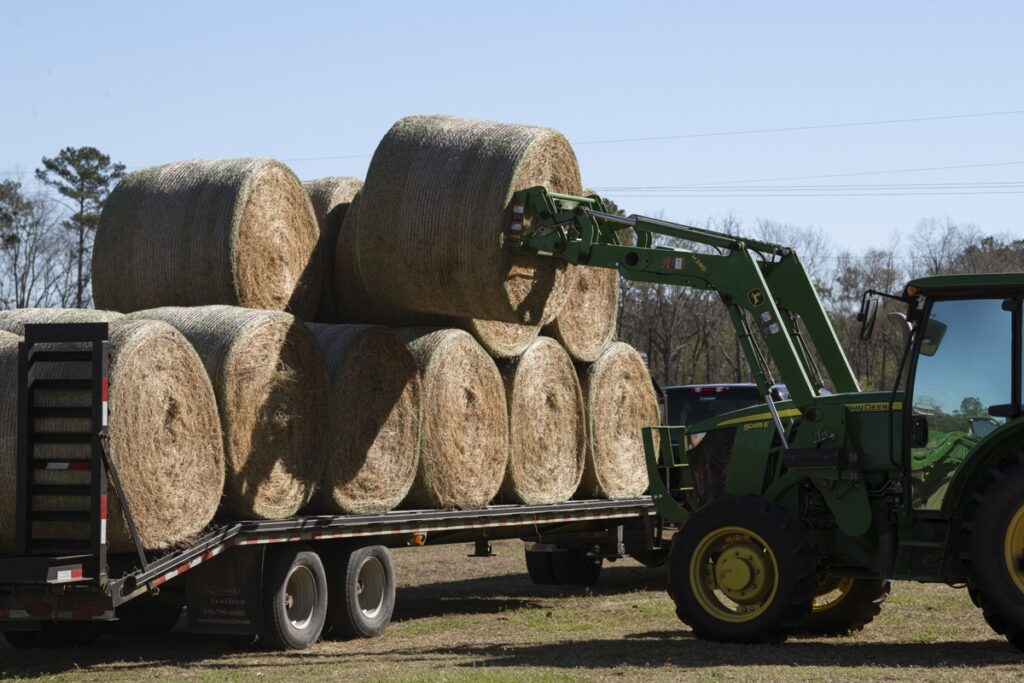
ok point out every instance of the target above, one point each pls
(461, 619)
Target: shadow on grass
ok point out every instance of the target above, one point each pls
(651, 649)
(680, 649)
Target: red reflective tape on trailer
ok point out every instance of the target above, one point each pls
(79, 465)
(103, 506)
(106, 389)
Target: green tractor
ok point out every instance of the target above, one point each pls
(793, 516)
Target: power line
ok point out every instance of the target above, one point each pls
(789, 129)
(839, 194)
(813, 177)
(683, 136)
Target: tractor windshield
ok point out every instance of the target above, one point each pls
(962, 385)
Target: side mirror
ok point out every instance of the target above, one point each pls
(900, 320)
(933, 333)
(867, 315)
(919, 432)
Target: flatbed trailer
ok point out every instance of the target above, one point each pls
(285, 580)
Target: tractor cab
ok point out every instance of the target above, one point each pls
(963, 373)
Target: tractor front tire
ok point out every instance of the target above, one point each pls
(843, 606)
(996, 562)
(741, 570)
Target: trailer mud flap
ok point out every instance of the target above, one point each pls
(225, 596)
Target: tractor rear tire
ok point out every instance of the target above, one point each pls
(741, 570)
(996, 562)
(844, 606)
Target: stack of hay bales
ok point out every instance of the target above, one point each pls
(345, 348)
(165, 437)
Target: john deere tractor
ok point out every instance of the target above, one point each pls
(794, 515)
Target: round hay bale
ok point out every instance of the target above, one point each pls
(8, 439)
(271, 384)
(586, 324)
(433, 219)
(547, 426)
(234, 231)
(14, 319)
(165, 437)
(620, 401)
(331, 198)
(501, 340)
(372, 429)
(463, 423)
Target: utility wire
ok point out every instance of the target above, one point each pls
(813, 177)
(749, 131)
(789, 129)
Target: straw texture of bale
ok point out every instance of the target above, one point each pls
(234, 231)
(586, 324)
(501, 340)
(432, 224)
(547, 426)
(271, 384)
(372, 429)
(165, 437)
(331, 198)
(8, 438)
(620, 401)
(463, 423)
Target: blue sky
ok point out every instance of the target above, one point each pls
(152, 82)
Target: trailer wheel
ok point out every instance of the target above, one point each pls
(22, 640)
(562, 566)
(996, 564)
(741, 570)
(576, 567)
(363, 592)
(844, 605)
(295, 598)
(540, 567)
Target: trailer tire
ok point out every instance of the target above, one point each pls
(742, 570)
(576, 567)
(540, 567)
(853, 605)
(23, 640)
(995, 573)
(363, 592)
(295, 598)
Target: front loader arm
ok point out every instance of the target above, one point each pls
(763, 285)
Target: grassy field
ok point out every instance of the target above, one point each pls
(463, 619)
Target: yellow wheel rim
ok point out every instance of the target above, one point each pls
(1013, 548)
(734, 574)
(831, 593)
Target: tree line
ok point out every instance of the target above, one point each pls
(46, 241)
(689, 339)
